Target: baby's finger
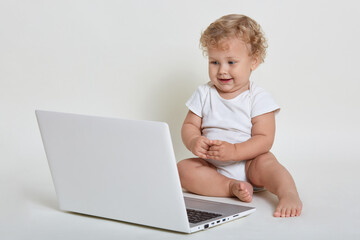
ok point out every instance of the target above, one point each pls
(216, 142)
(204, 146)
(214, 148)
(201, 153)
(212, 153)
(207, 141)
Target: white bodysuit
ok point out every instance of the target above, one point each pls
(229, 119)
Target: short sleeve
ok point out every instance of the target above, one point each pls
(196, 101)
(262, 102)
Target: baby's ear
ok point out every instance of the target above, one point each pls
(255, 62)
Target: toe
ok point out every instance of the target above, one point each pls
(248, 199)
(242, 186)
(283, 212)
(288, 212)
(277, 212)
(293, 212)
(245, 196)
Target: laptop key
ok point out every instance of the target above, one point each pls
(196, 216)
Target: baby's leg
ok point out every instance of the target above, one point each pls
(200, 177)
(266, 171)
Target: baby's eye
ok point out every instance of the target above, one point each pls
(214, 62)
(231, 62)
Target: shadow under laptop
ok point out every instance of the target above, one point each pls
(128, 224)
(40, 197)
(48, 200)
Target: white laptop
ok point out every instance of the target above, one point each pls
(124, 170)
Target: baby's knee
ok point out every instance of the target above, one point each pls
(264, 160)
(187, 167)
(181, 166)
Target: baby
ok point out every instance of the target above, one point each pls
(230, 125)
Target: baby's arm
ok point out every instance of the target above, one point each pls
(191, 135)
(262, 138)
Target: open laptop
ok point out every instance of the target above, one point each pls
(124, 170)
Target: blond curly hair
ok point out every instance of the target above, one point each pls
(235, 25)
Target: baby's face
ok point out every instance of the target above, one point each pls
(230, 67)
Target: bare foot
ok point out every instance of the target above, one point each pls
(242, 190)
(289, 205)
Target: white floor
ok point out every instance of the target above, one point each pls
(90, 57)
(331, 211)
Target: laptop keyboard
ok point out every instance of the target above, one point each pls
(196, 216)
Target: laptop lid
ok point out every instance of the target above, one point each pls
(94, 175)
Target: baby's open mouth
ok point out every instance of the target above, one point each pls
(223, 80)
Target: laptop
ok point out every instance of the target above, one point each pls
(124, 170)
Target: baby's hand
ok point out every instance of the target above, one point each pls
(221, 150)
(199, 146)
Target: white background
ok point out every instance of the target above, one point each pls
(141, 60)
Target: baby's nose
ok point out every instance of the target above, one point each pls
(222, 69)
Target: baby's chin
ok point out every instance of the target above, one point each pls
(228, 91)
(225, 88)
